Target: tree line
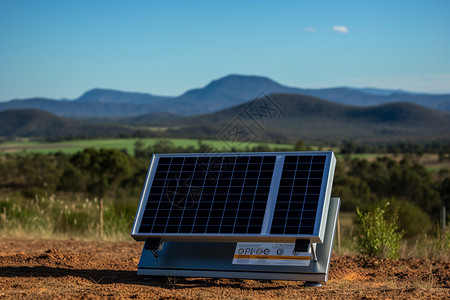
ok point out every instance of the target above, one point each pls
(437, 147)
(415, 193)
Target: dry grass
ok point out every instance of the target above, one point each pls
(49, 216)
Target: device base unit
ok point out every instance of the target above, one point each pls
(224, 260)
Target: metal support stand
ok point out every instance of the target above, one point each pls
(314, 251)
(312, 284)
(206, 259)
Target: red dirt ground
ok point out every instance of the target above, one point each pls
(42, 269)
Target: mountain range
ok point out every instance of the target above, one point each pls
(219, 94)
(276, 117)
(292, 117)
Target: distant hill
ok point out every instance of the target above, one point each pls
(38, 123)
(81, 110)
(300, 117)
(382, 92)
(310, 118)
(219, 94)
(236, 89)
(112, 96)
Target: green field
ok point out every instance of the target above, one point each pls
(71, 147)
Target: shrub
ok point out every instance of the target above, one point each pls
(378, 237)
(411, 218)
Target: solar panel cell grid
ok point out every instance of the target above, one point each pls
(231, 194)
(298, 195)
(208, 195)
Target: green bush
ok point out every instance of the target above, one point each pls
(411, 218)
(378, 237)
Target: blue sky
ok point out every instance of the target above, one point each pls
(60, 49)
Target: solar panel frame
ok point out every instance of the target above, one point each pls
(264, 234)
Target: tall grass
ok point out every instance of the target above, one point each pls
(49, 216)
(434, 246)
(345, 236)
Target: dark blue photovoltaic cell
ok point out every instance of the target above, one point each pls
(231, 194)
(208, 194)
(298, 195)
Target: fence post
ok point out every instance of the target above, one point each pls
(101, 217)
(339, 235)
(443, 217)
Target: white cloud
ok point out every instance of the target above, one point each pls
(340, 29)
(310, 29)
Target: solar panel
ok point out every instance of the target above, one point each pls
(280, 196)
(208, 195)
(298, 194)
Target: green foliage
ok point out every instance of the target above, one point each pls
(353, 190)
(361, 183)
(416, 194)
(102, 170)
(72, 179)
(444, 187)
(411, 218)
(300, 146)
(378, 237)
(441, 147)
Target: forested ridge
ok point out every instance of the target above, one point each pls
(291, 117)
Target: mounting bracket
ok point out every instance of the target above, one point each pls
(214, 259)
